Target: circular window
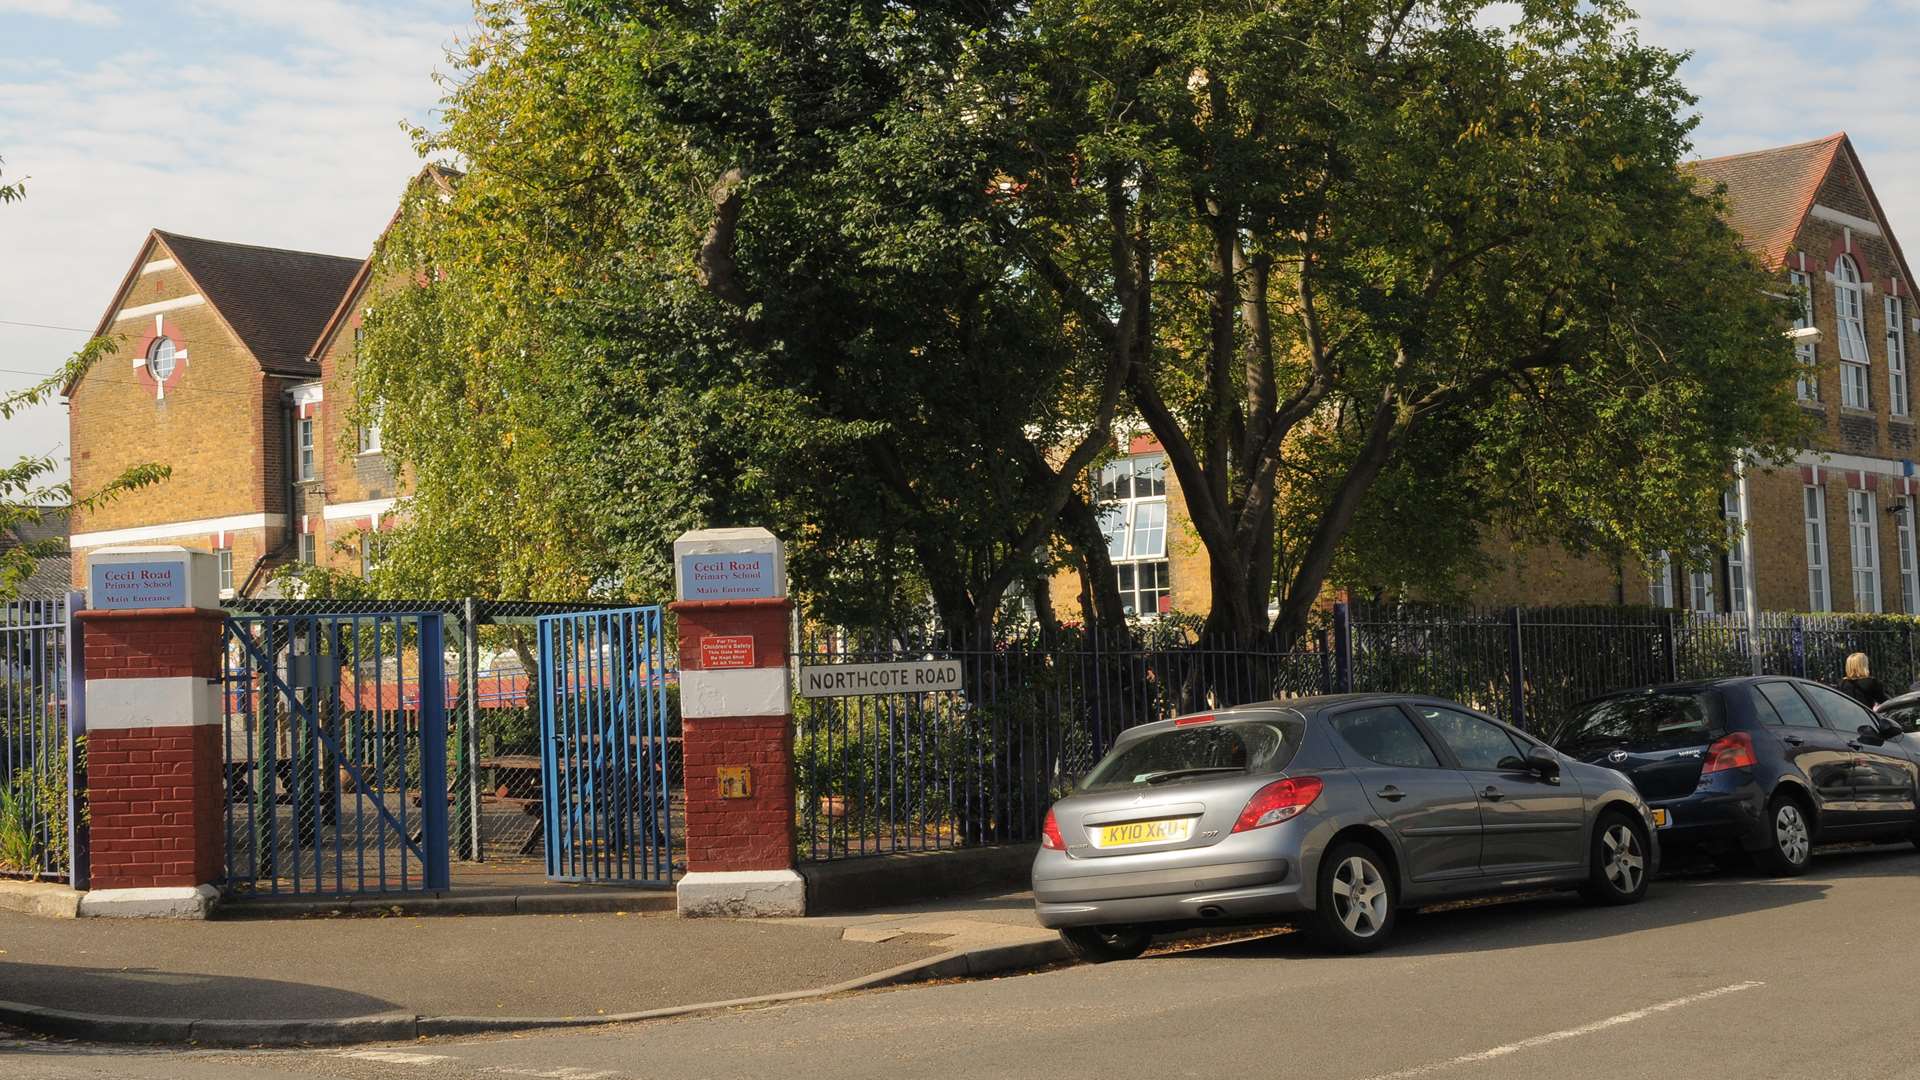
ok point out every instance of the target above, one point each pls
(160, 359)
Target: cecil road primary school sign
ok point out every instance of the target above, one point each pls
(128, 586)
(856, 680)
(738, 576)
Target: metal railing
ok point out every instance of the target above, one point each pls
(42, 748)
(980, 764)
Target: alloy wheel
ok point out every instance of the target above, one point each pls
(1360, 897)
(1624, 864)
(1790, 831)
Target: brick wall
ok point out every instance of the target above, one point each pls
(217, 426)
(153, 785)
(739, 834)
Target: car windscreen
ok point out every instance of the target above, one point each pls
(1905, 712)
(1253, 744)
(1658, 720)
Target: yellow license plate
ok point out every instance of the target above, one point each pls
(1145, 832)
(1660, 819)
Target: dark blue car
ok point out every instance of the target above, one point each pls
(1766, 766)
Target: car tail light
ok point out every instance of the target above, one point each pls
(1050, 834)
(1733, 751)
(1189, 721)
(1278, 802)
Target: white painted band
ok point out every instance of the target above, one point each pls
(200, 527)
(309, 394)
(1851, 221)
(369, 508)
(158, 306)
(736, 692)
(158, 265)
(1852, 463)
(173, 701)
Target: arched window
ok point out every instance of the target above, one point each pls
(161, 359)
(1849, 316)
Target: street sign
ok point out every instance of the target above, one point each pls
(858, 680)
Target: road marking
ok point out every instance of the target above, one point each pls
(1569, 1033)
(394, 1057)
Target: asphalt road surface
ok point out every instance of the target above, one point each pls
(1710, 977)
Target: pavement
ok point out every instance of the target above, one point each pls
(1711, 976)
(344, 980)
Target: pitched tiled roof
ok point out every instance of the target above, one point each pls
(51, 578)
(1770, 191)
(275, 299)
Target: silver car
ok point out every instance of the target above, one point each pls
(1336, 810)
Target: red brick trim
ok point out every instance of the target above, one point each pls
(167, 643)
(179, 365)
(154, 795)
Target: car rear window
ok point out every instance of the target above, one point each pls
(1660, 720)
(1264, 743)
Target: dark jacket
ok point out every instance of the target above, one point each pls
(1867, 691)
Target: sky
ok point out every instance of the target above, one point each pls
(280, 122)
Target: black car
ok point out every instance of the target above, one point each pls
(1764, 765)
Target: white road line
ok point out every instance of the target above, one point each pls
(1569, 1033)
(394, 1057)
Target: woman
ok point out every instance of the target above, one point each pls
(1860, 685)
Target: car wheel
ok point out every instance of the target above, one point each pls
(1619, 866)
(1103, 944)
(1791, 851)
(1356, 912)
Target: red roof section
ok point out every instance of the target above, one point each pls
(1769, 192)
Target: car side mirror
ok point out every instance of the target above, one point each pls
(1870, 733)
(1543, 761)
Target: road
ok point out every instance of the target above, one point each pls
(1711, 976)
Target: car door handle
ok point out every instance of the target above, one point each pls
(1793, 740)
(1391, 793)
(1493, 794)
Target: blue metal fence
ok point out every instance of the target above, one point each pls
(42, 833)
(604, 747)
(336, 754)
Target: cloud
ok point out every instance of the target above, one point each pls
(80, 11)
(256, 121)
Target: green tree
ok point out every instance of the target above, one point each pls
(26, 492)
(1377, 273)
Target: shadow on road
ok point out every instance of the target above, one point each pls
(150, 993)
(1559, 918)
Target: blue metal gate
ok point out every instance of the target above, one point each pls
(336, 754)
(603, 747)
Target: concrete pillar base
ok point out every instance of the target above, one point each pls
(740, 894)
(172, 902)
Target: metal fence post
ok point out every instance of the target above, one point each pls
(1670, 647)
(1799, 647)
(470, 686)
(435, 847)
(1516, 671)
(1326, 660)
(78, 875)
(1343, 647)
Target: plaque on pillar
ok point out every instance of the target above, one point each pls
(152, 578)
(729, 564)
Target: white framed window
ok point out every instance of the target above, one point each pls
(306, 448)
(1898, 402)
(370, 432)
(1660, 580)
(1849, 316)
(162, 358)
(1736, 518)
(366, 557)
(307, 553)
(1700, 595)
(1133, 496)
(1909, 569)
(1816, 519)
(225, 557)
(1806, 350)
(1863, 536)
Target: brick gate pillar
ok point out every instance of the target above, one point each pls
(152, 633)
(736, 723)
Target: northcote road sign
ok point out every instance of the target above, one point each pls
(859, 680)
